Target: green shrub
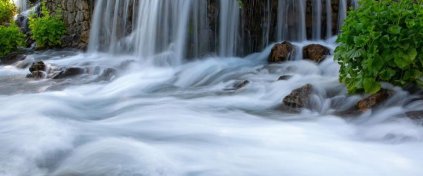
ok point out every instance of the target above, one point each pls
(381, 41)
(47, 30)
(7, 11)
(11, 38)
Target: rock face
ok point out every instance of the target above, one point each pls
(77, 17)
(315, 52)
(373, 100)
(281, 52)
(299, 98)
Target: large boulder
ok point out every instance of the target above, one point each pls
(315, 52)
(281, 52)
(373, 100)
(299, 98)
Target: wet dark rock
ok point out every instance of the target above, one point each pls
(374, 100)
(284, 77)
(238, 85)
(315, 52)
(299, 98)
(37, 66)
(415, 115)
(108, 74)
(37, 75)
(12, 58)
(281, 52)
(69, 72)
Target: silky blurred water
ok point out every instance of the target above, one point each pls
(186, 120)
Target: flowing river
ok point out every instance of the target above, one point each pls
(186, 120)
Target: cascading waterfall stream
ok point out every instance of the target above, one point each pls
(328, 19)
(317, 20)
(158, 31)
(22, 5)
(228, 30)
(342, 13)
(289, 28)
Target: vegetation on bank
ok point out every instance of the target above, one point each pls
(7, 11)
(10, 35)
(47, 30)
(11, 38)
(381, 41)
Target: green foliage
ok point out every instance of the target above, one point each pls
(47, 30)
(11, 38)
(381, 41)
(7, 11)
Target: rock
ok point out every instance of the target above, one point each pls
(12, 58)
(299, 98)
(284, 77)
(238, 85)
(373, 100)
(415, 115)
(36, 75)
(37, 66)
(69, 72)
(315, 52)
(281, 52)
(108, 74)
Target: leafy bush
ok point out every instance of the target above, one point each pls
(7, 11)
(47, 30)
(10, 38)
(381, 41)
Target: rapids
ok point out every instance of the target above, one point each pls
(183, 120)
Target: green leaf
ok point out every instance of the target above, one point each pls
(371, 86)
(394, 29)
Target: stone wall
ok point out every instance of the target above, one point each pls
(77, 17)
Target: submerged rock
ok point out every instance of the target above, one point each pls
(281, 52)
(299, 98)
(69, 72)
(315, 52)
(238, 85)
(373, 100)
(37, 75)
(107, 75)
(284, 77)
(415, 115)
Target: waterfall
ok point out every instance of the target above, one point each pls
(328, 19)
(342, 13)
(317, 19)
(289, 28)
(150, 29)
(21, 5)
(228, 28)
(165, 32)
